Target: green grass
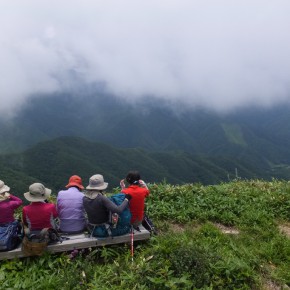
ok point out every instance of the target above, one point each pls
(190, 252)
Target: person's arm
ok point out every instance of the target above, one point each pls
(54, 211)
(147, 193)
(113, 207)
(55, 220)
(24, 217)
(142, 184)
(15, 201)
(122, 184)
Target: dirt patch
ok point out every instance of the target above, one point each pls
(177, 228)
(227, 230)
(270, 285)
(285, 229)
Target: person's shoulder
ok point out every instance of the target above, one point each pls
(101, 197)
(125, 190)
(63, 191)
(49, 204)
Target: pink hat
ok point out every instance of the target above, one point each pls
(75, 180)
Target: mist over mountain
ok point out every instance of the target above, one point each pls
(250, 143)
(219, 55)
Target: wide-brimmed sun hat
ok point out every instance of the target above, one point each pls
(96, 182)
(4, 194)
(3, 187)
(75, 180)
(37, 192)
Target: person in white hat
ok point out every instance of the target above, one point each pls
(39, 214)
(8, 204)
(98, 206)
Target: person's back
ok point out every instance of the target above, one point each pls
(8, 204)
(70, 207)
(98, 206)
(138, 190)
(39, 214)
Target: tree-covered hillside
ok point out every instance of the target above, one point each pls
(53, 162)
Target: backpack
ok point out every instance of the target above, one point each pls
(123, 225)
(10, 236)
(36, 244)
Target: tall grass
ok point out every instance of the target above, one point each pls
(190, 252)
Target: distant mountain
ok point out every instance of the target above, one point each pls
(53, 162)
(255, 142)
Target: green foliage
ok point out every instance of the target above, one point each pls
(242, 203)
(53, 162)
(190, 252)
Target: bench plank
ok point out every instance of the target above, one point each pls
(81, 241)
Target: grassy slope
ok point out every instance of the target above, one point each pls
(190, 251)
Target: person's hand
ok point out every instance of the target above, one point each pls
(128, 196)
(142, 183)
(122, 183)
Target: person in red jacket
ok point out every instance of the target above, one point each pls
(8, 204)
(139, 191)
(39, 214)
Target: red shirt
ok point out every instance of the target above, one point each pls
(7, 208)
(39, 215)
(137, 203)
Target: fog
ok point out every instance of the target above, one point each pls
(220, 55)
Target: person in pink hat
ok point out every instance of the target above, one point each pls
(8, 204)
(70, 207)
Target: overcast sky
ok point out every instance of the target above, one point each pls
(220, 54)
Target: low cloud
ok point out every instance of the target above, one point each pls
(217, 54)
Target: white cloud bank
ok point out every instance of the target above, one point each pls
(219, 54)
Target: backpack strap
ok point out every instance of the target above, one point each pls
(108, 228)
(106, 225)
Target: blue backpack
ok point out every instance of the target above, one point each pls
(10, 236)
(123, 225)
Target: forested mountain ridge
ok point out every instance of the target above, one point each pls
(151, 125)
(53, 162)
(179, 145)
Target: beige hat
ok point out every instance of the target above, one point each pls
(3, 188)
(37, 192)
(97, 183)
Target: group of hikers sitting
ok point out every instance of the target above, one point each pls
(77, 209)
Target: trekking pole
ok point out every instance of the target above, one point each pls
(132, 243)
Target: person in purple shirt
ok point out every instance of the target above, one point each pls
(8, 204)
(70, 207)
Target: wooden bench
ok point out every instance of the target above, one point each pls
(81, 241)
